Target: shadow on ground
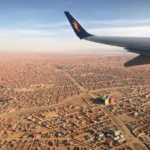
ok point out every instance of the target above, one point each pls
(96, 100)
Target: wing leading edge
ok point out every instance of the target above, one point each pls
(140, 45)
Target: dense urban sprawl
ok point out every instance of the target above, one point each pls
(54, 101)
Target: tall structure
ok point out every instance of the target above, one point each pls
(107, 100)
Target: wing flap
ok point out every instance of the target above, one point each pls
(139, 51)
(139, 60)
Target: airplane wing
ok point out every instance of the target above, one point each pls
(139, 45)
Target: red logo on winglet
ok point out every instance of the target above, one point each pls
(75, 25)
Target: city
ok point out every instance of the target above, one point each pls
(53, 101)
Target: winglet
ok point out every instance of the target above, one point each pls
(78, 29)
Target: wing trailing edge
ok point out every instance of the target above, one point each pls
(139, 60)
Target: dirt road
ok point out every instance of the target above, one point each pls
(133, 142)
(36, 109)
(77, 83)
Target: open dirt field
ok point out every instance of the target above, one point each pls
(50, 114)
(126, 118)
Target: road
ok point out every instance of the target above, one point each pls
(77, 83)
(133, 142)
(36, 109)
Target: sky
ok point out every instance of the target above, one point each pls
(41, 25)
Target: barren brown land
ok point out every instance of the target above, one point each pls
(81, 100)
